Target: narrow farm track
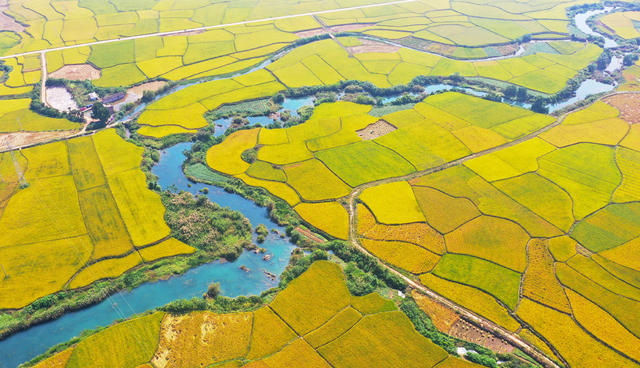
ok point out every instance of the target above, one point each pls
(205, 28)
(43, 83)
(468, 314)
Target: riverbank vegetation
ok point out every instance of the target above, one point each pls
(279, 326)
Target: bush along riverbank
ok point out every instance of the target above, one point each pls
(214, 231)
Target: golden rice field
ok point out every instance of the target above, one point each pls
(528, 231)
(85, 215)
(539, 236)
(341, 331)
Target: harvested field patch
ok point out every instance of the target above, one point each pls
(628, 105)
(202, 338)
(469, 332)
(375, 130)
(77, 72)
(19, 139)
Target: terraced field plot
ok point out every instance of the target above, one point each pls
(85, 215)
(341, 331)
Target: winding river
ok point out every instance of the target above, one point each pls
(234, 282)
(25, 345)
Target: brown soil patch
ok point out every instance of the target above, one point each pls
(21, 139)
(6, 22)
(443, 318)
(373, 46)
(628, 104)
(348, 27)
(151, 86)
(469, 332)
(375, 130)
(311, 33)
(507, 49)
(135, 93)
(309, 235)
(76, 72)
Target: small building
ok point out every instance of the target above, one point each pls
(93, 96)
(113, 98)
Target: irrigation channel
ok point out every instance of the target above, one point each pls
(27, 344)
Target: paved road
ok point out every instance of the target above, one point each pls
(206, 28)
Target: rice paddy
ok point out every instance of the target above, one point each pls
(342, 329)
(545, 229)
(85, 209)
